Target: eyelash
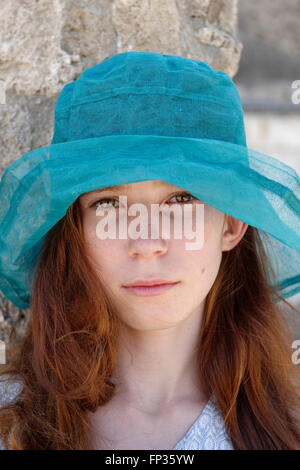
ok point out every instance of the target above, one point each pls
(174, 195)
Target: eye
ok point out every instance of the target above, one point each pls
(109, 199)
(184, 195)
(99, 202)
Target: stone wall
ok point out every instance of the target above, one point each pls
(45, 44)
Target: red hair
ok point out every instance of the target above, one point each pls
(70, 348)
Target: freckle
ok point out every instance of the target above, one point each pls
(202, 270)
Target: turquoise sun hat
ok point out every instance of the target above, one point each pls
(141, 116)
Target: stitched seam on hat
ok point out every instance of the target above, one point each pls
(157, 91)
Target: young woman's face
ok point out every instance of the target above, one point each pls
(123, 261)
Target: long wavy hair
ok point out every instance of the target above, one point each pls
(69, 351)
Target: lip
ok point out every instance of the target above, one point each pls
(149, 282)
(150, 290)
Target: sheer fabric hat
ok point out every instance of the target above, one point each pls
(145, 116)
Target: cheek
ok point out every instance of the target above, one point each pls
(210, 261)
(104, 253)
(201, 265)
(200, 274)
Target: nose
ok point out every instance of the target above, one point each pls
(154, 241)
(147, 248)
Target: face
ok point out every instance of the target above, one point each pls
(122, 261)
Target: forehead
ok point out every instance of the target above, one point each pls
(151, 184)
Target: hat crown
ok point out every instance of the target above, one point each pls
(151, 94)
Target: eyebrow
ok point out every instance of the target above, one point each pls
(113, 188)
(117, 188)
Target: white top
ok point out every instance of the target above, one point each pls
(206, 433)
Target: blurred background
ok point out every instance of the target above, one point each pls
(270, 33)
(46, 44)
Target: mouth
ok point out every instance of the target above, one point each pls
(148, 288)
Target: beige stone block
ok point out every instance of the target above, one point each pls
(31, 57)
(15, 133)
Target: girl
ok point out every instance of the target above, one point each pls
(200, 360)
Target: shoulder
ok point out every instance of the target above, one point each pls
(10, 387)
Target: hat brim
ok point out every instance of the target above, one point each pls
(37, 189)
